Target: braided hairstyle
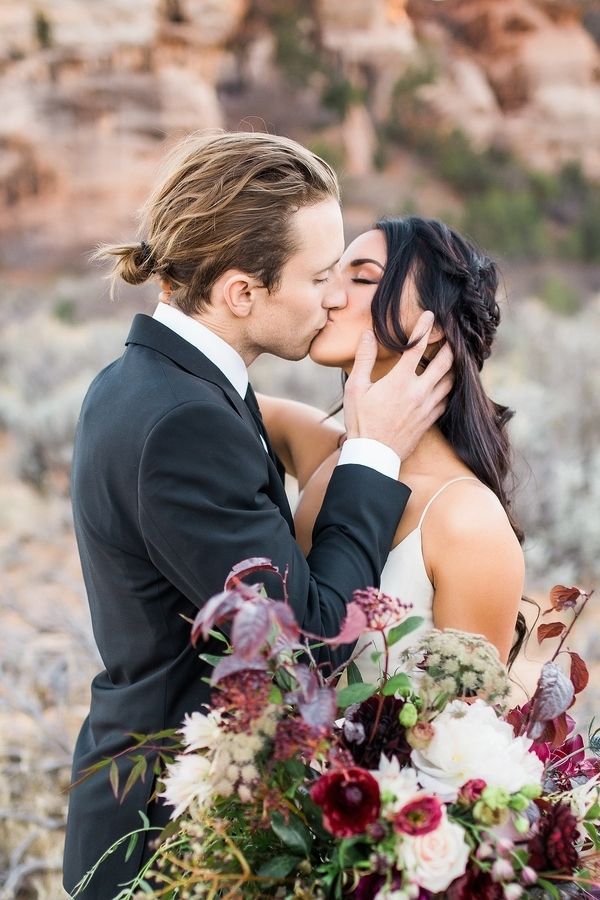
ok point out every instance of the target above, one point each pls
(458, 283)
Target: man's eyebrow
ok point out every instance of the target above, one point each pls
(361, 262)
(330, 266)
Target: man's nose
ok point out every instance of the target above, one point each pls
(336, 297)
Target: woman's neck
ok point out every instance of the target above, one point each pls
(433, 454)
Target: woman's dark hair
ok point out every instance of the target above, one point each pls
(458, 283)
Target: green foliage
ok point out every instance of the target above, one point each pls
(331, 153)
(43, 29)
(507, 223)
(560, 296)
(340, 94)
(64, 310)
(508, 207)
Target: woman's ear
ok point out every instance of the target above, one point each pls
(436, 336)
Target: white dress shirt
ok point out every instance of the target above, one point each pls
(358, 451)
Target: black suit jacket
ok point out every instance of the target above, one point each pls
(171, 486)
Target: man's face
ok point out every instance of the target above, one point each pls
(286, 321)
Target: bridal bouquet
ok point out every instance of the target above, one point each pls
(421, 786)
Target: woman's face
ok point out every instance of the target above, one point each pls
(362, 266)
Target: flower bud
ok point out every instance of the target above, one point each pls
(471, 791)
(505, 847)
(408, 715)
(420, 735)
(522, 824)
(495, 797)
(513, 891)
(519, 802)
(528, 875)
(531, 791)
(484, 851)
(502, 870)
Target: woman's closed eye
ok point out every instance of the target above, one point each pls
(364, 281)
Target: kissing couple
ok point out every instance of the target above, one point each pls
(178, 466)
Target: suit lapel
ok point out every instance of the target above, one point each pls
(147, 332)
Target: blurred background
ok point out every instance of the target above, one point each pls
(485, 113)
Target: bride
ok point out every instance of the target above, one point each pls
(456, 556)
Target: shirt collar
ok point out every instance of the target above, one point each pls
(220, 353)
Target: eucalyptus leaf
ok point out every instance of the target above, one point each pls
(353, 674)
(399, 683)
(401, 631)
(355, 693)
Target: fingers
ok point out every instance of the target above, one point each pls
(439, 367)
(366, 354)
(420, 334)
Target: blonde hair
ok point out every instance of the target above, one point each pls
(224, 201)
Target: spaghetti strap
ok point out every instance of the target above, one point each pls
(439, 491)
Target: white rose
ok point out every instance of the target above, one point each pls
(201, 732)
(186, 781)
(470, 741)
(434, 860)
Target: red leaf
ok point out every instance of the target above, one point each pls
(579, 672)
(562, 597)
(231, 665)
(251, 628)
(552, 629)
(320, 711)
(285, 619)
(214, 610)
(248, 567)
(353, 626)
(552, 697)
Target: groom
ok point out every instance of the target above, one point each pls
(174, 480)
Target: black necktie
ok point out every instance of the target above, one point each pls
(252, 404)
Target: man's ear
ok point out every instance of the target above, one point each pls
(239, 291)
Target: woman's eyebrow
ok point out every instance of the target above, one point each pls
(361, 262)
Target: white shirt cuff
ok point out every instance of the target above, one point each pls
(374, 454)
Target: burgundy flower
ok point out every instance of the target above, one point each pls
(369, 886)
(471, 791)
(296, 738)
(475, 883)
(420, 816)
(389, 738)
(553, 845)
(349, 798)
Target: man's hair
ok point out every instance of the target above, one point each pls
(224, 201)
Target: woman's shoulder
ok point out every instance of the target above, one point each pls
(468, 518)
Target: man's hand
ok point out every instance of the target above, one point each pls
(398, 409)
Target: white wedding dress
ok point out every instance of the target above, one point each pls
(404, 576)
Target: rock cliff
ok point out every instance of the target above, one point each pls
(91, 89)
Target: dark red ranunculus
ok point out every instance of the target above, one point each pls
(419, 816)
(553, 845)
(349, 798)
(369, 886)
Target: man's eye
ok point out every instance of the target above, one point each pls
(364, 281)
(321, 280)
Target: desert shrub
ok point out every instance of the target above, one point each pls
(42, 27)
(45, 369)
(329, 151)
(508, 223)
(560, 296)
(546, 370)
